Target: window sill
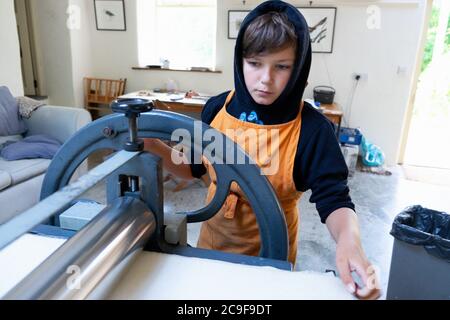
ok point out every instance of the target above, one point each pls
(182, 70)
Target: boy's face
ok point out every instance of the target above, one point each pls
(267, 75)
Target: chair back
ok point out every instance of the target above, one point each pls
(103, 91)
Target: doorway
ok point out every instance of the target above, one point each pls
(427, 152)
(27, 48)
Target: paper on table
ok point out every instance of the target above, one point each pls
(22, 256)
(161, 276)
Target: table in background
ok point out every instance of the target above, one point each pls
(175, 102)
(334, 113)
(194, 106)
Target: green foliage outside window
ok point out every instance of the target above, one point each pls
(432, 28)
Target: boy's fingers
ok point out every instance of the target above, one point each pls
(369, 291)
(345, 275)
(361, 270)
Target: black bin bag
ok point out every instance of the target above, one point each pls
(424, 227)
(420, 265)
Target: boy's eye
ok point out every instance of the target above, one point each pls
(254, 63)
(283, 67)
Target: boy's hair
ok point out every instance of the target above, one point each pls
(268, 33)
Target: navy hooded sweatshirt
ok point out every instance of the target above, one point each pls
(319, 164)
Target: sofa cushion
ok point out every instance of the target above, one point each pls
(37, 146)
(10, 121)
(5, 180)
(21, 170)
(13, 138)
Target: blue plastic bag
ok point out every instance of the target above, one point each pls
(372, 156)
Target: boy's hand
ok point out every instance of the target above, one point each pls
(351, 258)
(151, 143)
(166, 153)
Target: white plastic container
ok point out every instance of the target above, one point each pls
(350, 153)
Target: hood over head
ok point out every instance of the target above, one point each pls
(286, 107)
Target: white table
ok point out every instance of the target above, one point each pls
(150, 275)
(173, 101)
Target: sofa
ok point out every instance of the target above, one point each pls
(21, 180)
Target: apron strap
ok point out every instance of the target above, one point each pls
(229, 97)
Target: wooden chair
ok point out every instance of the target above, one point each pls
(99, 93)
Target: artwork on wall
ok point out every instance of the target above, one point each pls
(235, 18)
(321, 22)
(110, 15)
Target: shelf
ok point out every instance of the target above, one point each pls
(179, 70)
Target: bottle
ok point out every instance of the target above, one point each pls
(171, 86)
(165, 63)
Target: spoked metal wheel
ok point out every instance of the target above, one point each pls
(112, 132)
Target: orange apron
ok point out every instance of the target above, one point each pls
(234, 228)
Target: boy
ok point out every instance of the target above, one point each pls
(272, 63)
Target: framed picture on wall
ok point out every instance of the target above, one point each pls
(235, 18)
(110, 15)
(321, 22)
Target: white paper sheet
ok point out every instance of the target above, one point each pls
(153, 275)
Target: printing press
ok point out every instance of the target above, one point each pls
(131, 248)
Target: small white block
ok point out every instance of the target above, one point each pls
(77, 216)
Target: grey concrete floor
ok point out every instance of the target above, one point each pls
(378, 200)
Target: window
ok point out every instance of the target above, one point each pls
(181, 31)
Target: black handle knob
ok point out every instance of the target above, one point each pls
(132, 106)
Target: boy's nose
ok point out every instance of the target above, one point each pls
(267, 76)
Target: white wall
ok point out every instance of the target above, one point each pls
(54, 43)
(81, 48)
(62, 31)
(379, 104)
(10, 68)
(122, 48)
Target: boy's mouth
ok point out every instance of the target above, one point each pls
(263, 93)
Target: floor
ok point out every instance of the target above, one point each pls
(436, 176)
(378, 199)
